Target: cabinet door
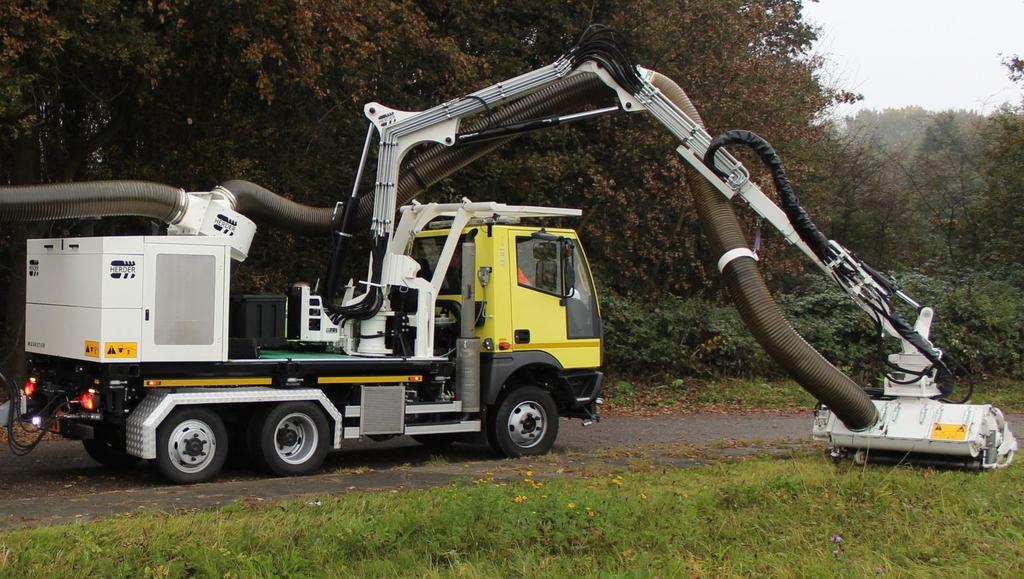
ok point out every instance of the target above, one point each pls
(184, 304)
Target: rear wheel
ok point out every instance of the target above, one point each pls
(292, 438)
(191, 445)
(109, 452)
(525, 423)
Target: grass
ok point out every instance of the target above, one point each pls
(729, 395)
(801, 516)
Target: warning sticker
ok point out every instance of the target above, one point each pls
(121, 350)
(949, 431)
(92, 348)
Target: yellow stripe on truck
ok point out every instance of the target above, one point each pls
(553, 345)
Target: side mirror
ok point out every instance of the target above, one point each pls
(568, 257)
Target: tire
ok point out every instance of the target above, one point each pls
(253, 452)
(525, 423)
(191, 445)
(438, 442)
(291, 438)
(109, 452)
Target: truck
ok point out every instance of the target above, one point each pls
(472, 317)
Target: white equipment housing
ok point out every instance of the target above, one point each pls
(967, 434)
(129, 299)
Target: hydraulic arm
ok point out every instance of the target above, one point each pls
(919, 375)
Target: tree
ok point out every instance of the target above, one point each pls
(194, 93)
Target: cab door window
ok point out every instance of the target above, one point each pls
(538, 265)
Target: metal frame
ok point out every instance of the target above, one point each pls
(150, 413)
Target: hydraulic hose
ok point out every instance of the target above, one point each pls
(94, 199)
(814, 373)
(261, 204)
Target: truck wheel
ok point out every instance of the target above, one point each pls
(293, 438)
(525, 423)
(109, 452)
(191, 445)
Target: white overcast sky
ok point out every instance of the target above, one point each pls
(939, 54)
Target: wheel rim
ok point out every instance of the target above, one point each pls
(192, 446)
(527, 424)
(296, 438)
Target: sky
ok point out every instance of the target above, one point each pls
(938, 54)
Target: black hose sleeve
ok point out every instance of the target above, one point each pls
(92, 199)
(802, 223)
(261, 204)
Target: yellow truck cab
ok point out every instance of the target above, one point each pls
(536, 311)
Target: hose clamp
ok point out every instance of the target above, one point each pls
(733, 254)
(179, 210)
(227, 194)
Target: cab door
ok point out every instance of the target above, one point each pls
(553, 306)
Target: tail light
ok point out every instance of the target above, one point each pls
(88, 401)
(30, 387)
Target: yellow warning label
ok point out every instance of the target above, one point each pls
(121, 350)
(92, 348)
(949, 431)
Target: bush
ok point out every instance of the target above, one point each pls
(979, 321)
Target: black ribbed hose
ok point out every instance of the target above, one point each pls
(814, 373)
(94, 199)
(263, 205)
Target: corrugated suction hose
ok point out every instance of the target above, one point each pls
(261, 204)
(95, 199)
(143, 199)
(813, 372)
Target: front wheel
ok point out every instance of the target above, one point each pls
(191, 445)
(525, 423)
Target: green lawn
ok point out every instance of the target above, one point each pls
(733, 394)
(798, 516)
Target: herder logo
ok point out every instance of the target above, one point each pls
(225, 224)
(122, 269)
(33, 268)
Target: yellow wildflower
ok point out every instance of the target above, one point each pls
(570, 506)
(520, 499)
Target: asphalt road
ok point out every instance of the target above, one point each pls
(60, 483)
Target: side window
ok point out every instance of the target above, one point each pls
(581, 306)
(538, 266)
